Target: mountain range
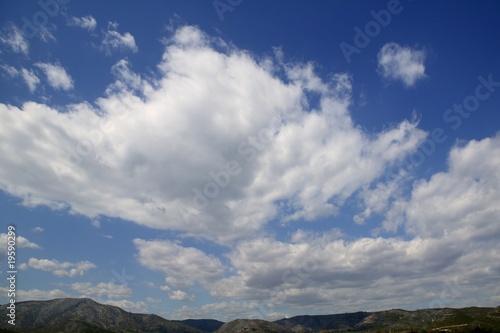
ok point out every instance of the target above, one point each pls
(83, 315)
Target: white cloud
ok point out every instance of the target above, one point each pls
(85, 22)
(96, 223)
(127, 305)
(396, 62)
(21, 242)
(179, 295)
(451, 222)
(38, 229)
(125, 79)
(115, 41)
(139, 152)
(463, 202)
(61, 269)
(45, 32)
(361, 274)
(36, 294)
(11, 71)
(56, 75)
(152, 300)
(224, 311)
(13, 37)
(107, 290)
(30, 79)
(381, 198)
(181, 265)
(291, 163)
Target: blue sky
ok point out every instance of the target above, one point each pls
(226, 159)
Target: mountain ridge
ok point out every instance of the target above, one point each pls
(85, 314)
(399, 320)
(82, 315)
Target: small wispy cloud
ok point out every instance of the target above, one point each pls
(13, 37)
(86, 22)
(11, 71)
(108, 290)
(61, 269)
(405, 64)
(30, 79)
(20, 242)
(179, 295)
(45, 33)
(115, 41)
(190, 264)
(164, 288)
(56, 75)
(126, 79)
(36, 294)
(96, 223)
(38, 229)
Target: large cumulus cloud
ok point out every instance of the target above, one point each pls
(149, 150)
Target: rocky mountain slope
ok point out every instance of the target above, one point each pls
(85, 315)
(400, 320)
